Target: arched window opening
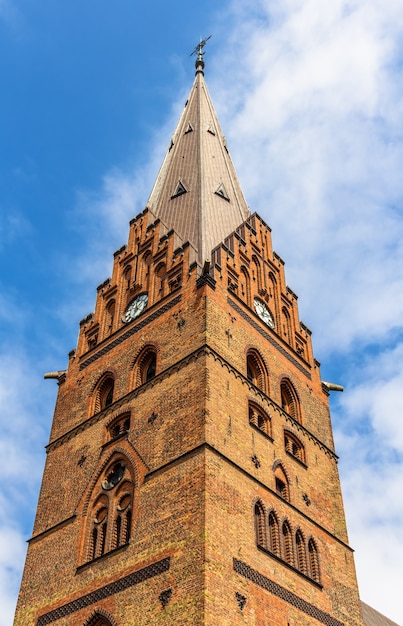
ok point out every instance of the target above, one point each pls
(244, 283)
(301, 552)
(127, 277)
(287, 332)
(110, 316)
(97, 619)
(160, 280)
(111, 515)
(150, 368)
(313, 561)
(99, 528)
(146, 367)
(260, 419)
(289, 400)
(287, 544)
(294, 447)
(274, 534)
(104, 394)
(281, 483)
(260, 527)
(146, 270)
(119, 427)
(256, 273)
(255, 370)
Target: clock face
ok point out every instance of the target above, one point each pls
(263, 312)
(135, 307)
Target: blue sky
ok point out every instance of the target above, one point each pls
(310, 97)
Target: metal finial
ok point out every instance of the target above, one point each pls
(199, 51)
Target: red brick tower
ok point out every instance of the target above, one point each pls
(191, 477)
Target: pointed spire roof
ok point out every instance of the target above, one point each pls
(197, 192)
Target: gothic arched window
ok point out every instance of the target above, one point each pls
(288, 551)
(159, 280)
(314, 571)
(260, 527)
(301, 552)
(244, 283)
(111, 512)
(146, 366)
(294, 447)
(109, 316)
(281, 483)
(127, 277)
(119, 426)
(99, 618)
(104, 393)
(289, 400)
(259, 418)
(256, 371)
(274, 534)
(287, 325)
(256, 272)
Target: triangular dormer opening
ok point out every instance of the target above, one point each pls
(188, 129)
(211, 130)
(180, 190)
(221, 191)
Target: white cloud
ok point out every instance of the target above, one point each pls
(12, 554)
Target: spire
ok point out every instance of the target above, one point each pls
(197, 192)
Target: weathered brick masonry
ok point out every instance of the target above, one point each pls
(191, 476)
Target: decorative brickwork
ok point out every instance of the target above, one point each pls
(104, 592)
(268, 337)
(130, 332)
(279, 591)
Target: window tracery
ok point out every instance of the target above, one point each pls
(111, 513)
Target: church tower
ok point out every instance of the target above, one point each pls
(191, 476)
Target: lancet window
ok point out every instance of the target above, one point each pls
(288, 551)
(314, 571)
(104, 393)
(281, 541)
(301, 552)
(274, 534)
(110, 316)
(160, 280)
(289, 400)
(146, 366)
(260, 526)
(256, 371)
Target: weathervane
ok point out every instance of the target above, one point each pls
(199, 51)
(200, 46)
